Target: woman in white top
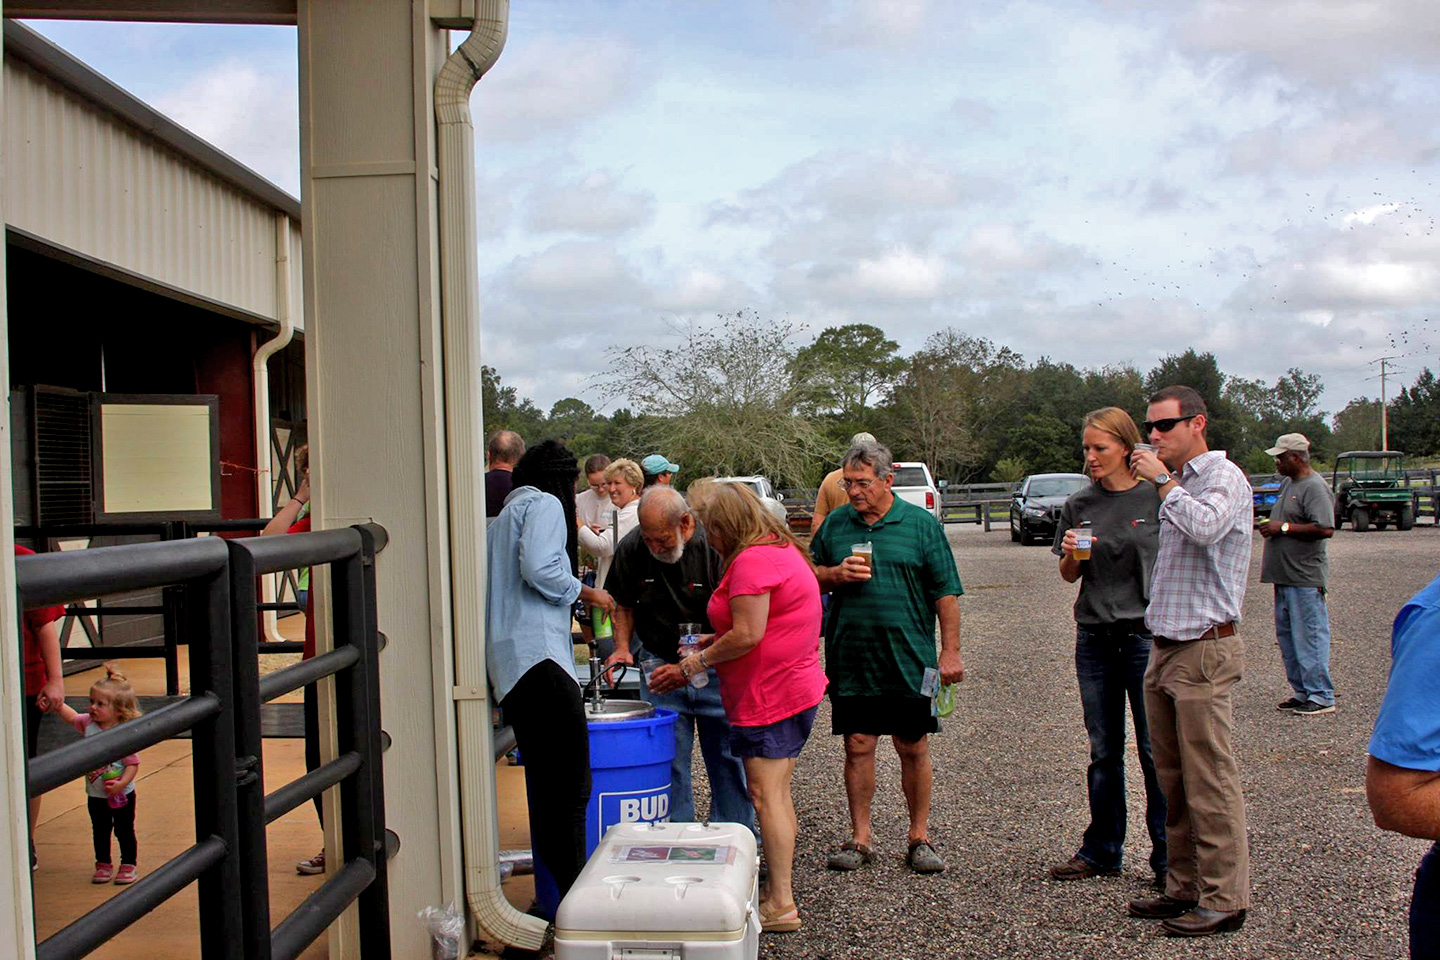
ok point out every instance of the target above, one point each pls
(625, 480)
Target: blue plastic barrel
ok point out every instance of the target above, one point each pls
(630, 783)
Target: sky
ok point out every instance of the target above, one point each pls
(1093, 181)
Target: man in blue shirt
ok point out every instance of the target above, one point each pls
(1402, 780)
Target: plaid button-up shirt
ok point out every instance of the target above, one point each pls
(1204, 559)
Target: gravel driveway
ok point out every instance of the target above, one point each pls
(1010, 789)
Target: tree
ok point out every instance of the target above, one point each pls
(845, 369)
(1047, 444)
(1415, 417)
(721, 400)
(1201, 372)
(1357, 427)
(502, 410)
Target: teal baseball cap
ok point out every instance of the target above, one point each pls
(656, 464)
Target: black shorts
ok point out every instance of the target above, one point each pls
(908, 718)
(33, 716)
(781, 740)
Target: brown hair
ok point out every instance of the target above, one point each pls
(627, 470)
(597, 462)
(1191, 403)
(735, 519)
(302, 460)
(122, 695)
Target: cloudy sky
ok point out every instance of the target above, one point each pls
(1100, 182)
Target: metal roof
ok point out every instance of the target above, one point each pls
(47, 58)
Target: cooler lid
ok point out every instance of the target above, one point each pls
(690, 881)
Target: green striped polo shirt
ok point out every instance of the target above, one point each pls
(880, 634)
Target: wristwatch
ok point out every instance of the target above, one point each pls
(1285, 527)
(1162, 478)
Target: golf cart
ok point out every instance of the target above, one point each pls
(1367, 488)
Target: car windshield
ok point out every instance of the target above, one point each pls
(1365, 468)
(1055, 486)
(910, 477)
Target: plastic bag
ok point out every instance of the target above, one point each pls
(447, 928)
(945, 700)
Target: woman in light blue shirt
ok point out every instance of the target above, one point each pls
(532, 585)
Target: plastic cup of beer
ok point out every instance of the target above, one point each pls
(1147, 447)
(866, 552)
(1082, 544)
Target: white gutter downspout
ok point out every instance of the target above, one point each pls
(260, 380)
(464, 440)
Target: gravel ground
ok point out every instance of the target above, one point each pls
(1010, 789)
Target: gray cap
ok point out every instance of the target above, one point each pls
(862, 437)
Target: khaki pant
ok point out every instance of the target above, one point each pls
(1187, 701)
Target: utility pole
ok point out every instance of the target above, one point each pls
(1384, 405)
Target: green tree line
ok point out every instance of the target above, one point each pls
(747, 395)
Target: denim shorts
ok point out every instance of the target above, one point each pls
(774, 741)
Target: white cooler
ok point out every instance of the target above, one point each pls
(653, 891)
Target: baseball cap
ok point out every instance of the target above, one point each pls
(1289, 441)
(862, 437)
(657, 464)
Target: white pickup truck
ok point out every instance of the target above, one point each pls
(914, 484)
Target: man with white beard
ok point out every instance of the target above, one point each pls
(663, 574)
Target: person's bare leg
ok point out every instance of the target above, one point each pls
(915, 778)
(860, 783)
(769, 783)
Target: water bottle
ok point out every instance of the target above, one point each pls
(690, 644)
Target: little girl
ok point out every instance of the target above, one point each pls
(110, 789)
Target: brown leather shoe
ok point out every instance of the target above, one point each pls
(1077, 868)
(1203, 922)
(1160, 908)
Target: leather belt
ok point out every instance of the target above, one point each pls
(1217, 632)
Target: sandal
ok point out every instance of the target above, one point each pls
(850, 856)
(784, 920)
(922, 858)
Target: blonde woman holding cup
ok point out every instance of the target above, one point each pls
(1119, 516)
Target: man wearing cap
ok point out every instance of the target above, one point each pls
(1302, 519)
(658, 469)
(832, 492)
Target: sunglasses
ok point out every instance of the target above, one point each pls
(1166, 425)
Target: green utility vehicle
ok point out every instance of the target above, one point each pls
(1367, 488)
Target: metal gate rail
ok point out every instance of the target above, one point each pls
(216, 582)
(356, 770)
(202, 568)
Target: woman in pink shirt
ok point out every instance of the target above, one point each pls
(766, 649)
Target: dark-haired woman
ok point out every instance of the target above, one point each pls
(532, 585)
(1112, 644)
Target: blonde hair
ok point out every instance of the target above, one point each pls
(627, 470)
(734, 518)
(122, 695)
(1117, 423)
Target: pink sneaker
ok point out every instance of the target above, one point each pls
(104, 873)
(126, 874)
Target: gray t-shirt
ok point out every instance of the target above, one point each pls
(1115, 581)
(1290, 561)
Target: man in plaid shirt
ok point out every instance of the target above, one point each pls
(1195, 660)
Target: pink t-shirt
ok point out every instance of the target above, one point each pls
(781, 675)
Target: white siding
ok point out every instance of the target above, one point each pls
(79, 177)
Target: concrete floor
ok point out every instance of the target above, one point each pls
(165, 826)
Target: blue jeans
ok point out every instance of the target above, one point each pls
(701, 710)
(1110, 665)
(1425, 909)
(1302, 625)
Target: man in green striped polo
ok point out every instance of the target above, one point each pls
(880, 642)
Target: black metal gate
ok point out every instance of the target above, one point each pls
(228, 860)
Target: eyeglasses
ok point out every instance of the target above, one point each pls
(861, 485)
(1165, 425)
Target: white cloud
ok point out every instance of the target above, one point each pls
(893, 24)
(250, 111)
(554, 84)
(575, 273)
(1322, 41)
(593, 205)
(1333, 142)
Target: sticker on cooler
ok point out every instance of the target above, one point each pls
(633, 806)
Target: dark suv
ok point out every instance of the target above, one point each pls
(1035, 508)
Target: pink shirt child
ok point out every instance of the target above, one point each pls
(781, 676)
